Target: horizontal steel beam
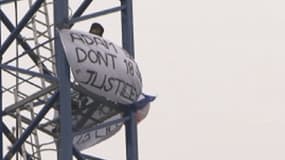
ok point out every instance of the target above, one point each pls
(96, 14)
(21, 104)
(12, 68)
(81, 156)
(29, 121)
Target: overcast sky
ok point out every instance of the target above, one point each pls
(218, 69)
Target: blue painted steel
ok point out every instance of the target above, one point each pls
(131, 136)
(20, 26)
(47, 77)
(127, 27)
(80, 10)
(21, 41)
(77, 154)
(27, 51)
(16, 146)
(8, 134)
(91, 157)
(1, 100)
(96, 14)
(128, 44)
(12, 139)
(81, 156)
(60, 18)
(142, 103)
(65, 134)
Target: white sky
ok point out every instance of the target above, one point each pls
(218, 70)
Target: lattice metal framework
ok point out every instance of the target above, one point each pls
(36, 83)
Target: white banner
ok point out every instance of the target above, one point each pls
(102, 67)
(89, 138)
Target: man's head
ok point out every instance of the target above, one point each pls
(96, 29)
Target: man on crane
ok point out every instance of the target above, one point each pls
(96, 29)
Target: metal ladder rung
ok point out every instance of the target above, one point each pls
(29, 27)
(40, 22)
(43, 34)
(39, 33)
(45, 60)
(29, 39)
(30, 21)
(45, 47)
(43, 12)
(30, 143)
(33, 132)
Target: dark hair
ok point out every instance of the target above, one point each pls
(96, 28)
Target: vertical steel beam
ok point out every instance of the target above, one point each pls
(131, 136)
(77, 154)
(1, 99)
(1, 118)
(62, 68)
(128, 44)
(127, 26)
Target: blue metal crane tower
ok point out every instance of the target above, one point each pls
(36, 82)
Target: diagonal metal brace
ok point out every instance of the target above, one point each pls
(21, 41)
(21, 25)
(21, 104)
(47, 77)
(16, 147)
(13, 139)
(81, 156)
